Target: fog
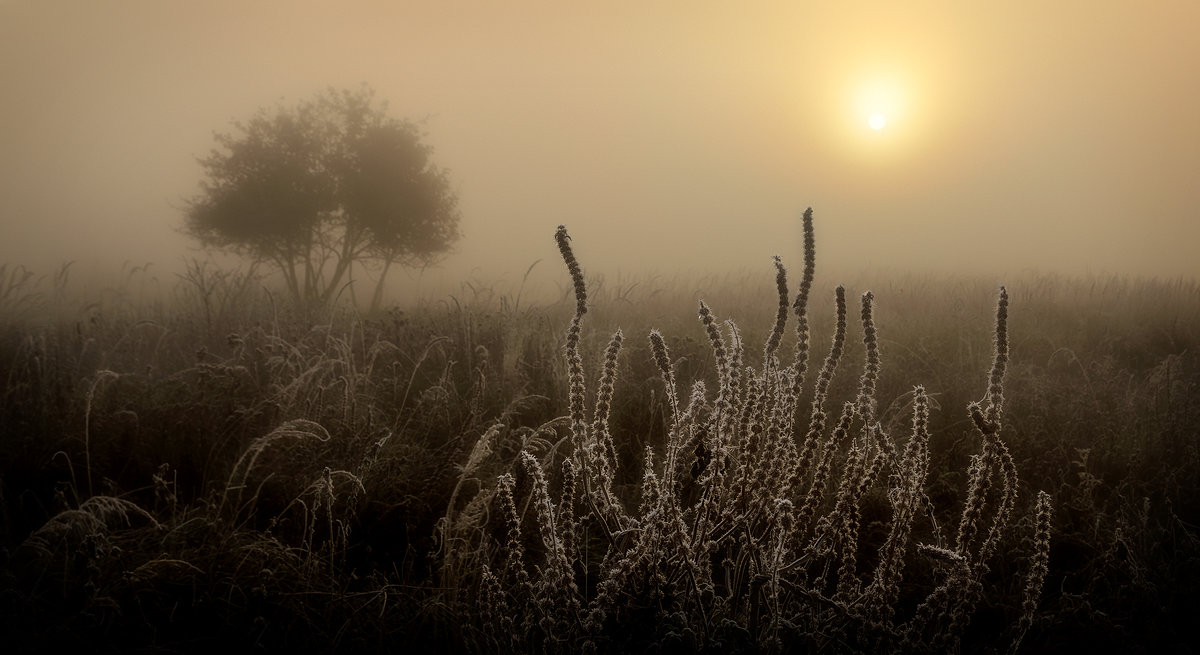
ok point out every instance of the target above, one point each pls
(1058, 137)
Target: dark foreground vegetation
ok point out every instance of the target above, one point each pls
(216, 471)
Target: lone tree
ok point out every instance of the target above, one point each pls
(315, 188)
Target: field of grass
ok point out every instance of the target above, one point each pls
(212, 469)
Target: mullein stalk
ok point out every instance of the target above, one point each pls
(781, 314)
(1039, 565)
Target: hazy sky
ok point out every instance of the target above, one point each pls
(1051, 135)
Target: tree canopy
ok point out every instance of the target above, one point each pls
(315, 188)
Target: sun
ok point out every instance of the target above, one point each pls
(877, 121)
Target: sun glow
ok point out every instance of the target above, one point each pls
(879, 101)
(887, 109)
(878, 114)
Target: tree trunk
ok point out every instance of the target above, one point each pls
(293, 283)
(377, 297)
(344, 260)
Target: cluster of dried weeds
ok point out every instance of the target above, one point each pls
(748, 533)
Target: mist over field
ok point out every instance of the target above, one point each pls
(470, 327)
(669, 138)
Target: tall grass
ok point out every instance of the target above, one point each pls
(193, 467)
